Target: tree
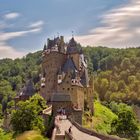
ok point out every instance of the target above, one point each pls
(131, 79)
(102, 87)
(121, 85)
(125, 63)
(125, 125)
(28, 115)
(113, 86)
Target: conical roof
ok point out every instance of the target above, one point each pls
(69, 65)
(72, 47)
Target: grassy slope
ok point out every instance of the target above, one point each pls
(101, 120)
(4, 135)
(31, 135)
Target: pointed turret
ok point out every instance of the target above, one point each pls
(45, 47)
(72, 47)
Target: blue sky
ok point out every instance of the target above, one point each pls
(26, 24)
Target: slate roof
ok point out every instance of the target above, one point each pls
(69, 65)
(72, 47)
(59, 97)
(84, 79)
(28, 89)
(53, 42)
(45, 47)
(50, 44)
(72, 42)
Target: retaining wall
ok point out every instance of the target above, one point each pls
(94, 133)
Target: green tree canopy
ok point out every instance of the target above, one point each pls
(27, 116)
(126, 125)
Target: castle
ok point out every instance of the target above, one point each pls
(65, 82)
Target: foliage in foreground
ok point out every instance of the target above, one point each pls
(114, 118)
(101, 120)
(27, 116)
(15, 73)
(5, 135)
(126, 125)
(31, 135)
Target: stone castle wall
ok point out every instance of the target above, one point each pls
(51, 64)
(64, 69)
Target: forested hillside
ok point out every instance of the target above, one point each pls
(14, 74)
(117, 73)
(116, 81)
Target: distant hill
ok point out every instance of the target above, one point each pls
(117, 73)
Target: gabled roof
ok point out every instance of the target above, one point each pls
(28, 89)
(60, 97)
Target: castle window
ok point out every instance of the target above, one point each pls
(68, 89)
(71, 88)
(59, 77)
(63, 88)
(72, 81)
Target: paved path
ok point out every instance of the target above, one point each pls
(76, 133)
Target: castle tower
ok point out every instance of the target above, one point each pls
(52, 61)
(65, 82)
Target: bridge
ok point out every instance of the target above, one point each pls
(62, 125)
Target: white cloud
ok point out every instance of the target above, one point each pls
(9, 52)
(36, 24)
(6, 50)
(11, 15)
(4, 36)
(121, 28)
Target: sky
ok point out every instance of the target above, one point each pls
(25, 25)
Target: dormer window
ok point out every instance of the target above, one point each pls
(72, 81)
(47, 51)
(42, 85)
(59, 79)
